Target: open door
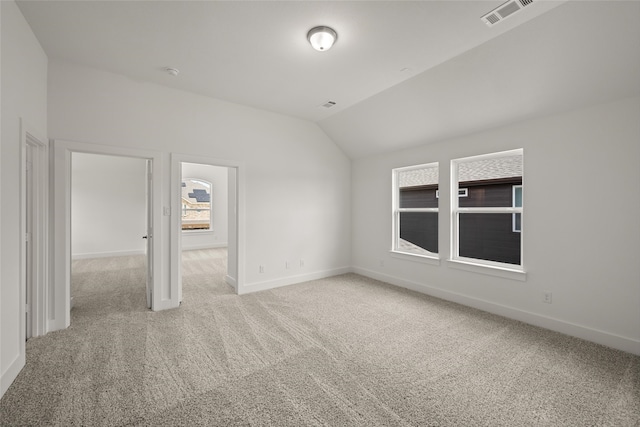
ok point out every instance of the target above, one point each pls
(149, 236)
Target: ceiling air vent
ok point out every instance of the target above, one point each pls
(504, 10)
(328, 104)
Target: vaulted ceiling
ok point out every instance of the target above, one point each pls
(401, 73)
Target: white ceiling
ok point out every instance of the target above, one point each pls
(581, 53)
(401, 73)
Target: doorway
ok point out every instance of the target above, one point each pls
(61, 245)
(204, 226)
(209, 240)
(109, 232)
(33, 226)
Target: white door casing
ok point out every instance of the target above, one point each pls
(60, 285)
(149, 236)
(34, 218)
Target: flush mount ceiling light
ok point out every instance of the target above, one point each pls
(322, 38)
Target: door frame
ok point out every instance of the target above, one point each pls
(39, 239)
(236, 220)
(60, 288)
(148, 193)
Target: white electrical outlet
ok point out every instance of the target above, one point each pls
(547, 297)
(261, 269)
(287, 265)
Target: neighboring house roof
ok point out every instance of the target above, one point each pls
(407, 246)
(418, 177)
(492, 168)
(476, 170)
(200, 195)
(196, 191)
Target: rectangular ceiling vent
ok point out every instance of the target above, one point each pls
(504, 10)
(328, 104)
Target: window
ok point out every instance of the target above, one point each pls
(415, 210)
(196, 204)
(487, 224)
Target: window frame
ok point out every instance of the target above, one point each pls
(397, 210)
(456, 210)
(200, 231)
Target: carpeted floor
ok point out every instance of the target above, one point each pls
(343, 351)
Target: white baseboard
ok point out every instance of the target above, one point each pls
(106, 254)
(231, 281)
(292, 280)
(600, 337)
(204, 246)
(166, 304)
(10, 374)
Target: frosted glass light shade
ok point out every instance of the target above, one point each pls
(322, 38)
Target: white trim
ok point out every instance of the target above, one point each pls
(292, 280)
(408, 256)
(10, 374)
(490, 210)
(231, 282)
(235, 241)
(204, 246)
(60, 287)
(40, 233)
(417, 210)
(89, 255)
(498, 154)
(492, 269)
(594, 335)
(415, 167)
(30, 136)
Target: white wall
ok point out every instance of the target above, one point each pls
(297, 192)
(108, 205)
(24, 95)
(217, 236)
(581, 229)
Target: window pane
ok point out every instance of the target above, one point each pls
(517, 197)
(418, 232)
(196, 204)
(490, 181)
(417, 187)
(489, 237)
(418, 197)
(516, 222)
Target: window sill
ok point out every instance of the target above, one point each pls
(426, 259)
(507, 273)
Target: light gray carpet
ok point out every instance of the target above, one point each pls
(344, 351)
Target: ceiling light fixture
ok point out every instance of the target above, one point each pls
(322, 38)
